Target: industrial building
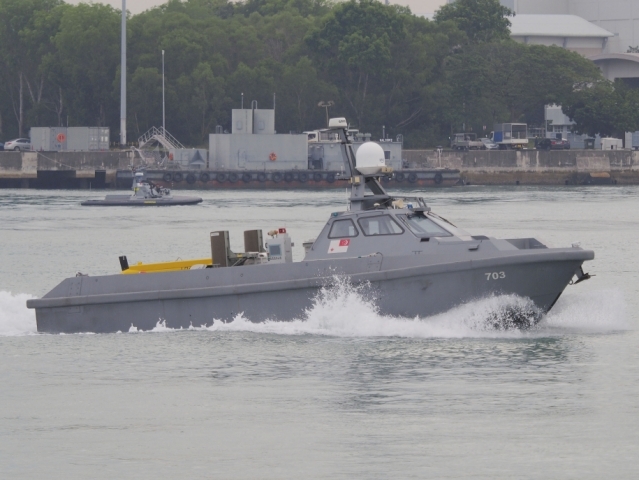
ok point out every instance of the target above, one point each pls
(254, 145)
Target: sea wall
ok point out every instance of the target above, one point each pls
(531, 166)
(61, 169)
(86, 169)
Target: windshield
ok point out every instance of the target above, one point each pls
(423, 227)
(379, 225)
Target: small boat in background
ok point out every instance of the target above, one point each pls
(145, 194)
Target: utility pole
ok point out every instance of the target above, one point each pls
(163, 102)
(123, 79)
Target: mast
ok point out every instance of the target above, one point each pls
(359, 182)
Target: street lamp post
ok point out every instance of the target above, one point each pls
(163, 102)
(326, 105)
(123, 79)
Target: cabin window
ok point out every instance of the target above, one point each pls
(380, 225)
(342, 229)
(422, 226)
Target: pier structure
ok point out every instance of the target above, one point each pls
(421, 167)
(534, 167)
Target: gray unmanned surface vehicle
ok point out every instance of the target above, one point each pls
(416, 264)
(145, 194)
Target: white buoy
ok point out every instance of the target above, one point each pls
(369, 158)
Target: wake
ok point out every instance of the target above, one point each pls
(15, 317)
(344, 310)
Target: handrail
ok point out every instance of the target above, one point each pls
(161, 136)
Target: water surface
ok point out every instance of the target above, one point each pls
(342, 392)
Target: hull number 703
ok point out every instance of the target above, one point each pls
(495, 275)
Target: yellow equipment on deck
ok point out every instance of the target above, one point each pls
(220, 251)
(163, 266)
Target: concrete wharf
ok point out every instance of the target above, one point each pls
(85, 170)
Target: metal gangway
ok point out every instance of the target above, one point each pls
(151, 157)
(155, 145)
(160, 136)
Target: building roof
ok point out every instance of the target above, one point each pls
(555, 26)
(628, 57)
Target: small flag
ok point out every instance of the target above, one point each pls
(339, 246)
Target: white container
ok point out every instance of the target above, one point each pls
(608, 143)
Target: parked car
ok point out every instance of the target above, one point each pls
(19, 144)
(465, 141)
(1, 146)
(488, 144)
(552, 144)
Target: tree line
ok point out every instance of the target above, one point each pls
(381, 66)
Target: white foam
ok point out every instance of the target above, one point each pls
(597, 311)
(345, 311)
(15, 317)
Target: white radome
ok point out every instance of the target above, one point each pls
(369, 158)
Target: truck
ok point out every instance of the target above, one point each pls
(466, 141)
(510, 135)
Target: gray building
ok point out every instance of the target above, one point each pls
(254, 145)
(621, 17)
(568, 31)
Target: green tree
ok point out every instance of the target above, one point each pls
(145, 94)
(353, 46)
(24, 26)
(203, 102)
(481, 20)
(88, 52)
(300, 90)
(603, 108)
(508, 81)
(256, 83)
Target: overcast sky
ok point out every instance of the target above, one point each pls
(137, 6)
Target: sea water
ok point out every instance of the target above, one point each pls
(340, 392)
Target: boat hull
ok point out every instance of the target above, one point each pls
(285, 292)
(127, 201)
